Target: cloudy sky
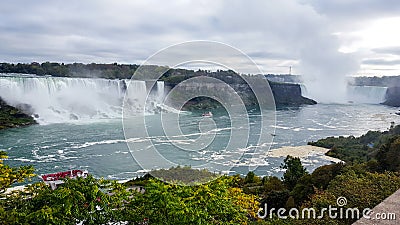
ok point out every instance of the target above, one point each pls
(352, 37)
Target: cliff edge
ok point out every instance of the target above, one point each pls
(12, 117)
(392, 97)
(284, 94)
(287, 94)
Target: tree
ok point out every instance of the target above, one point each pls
(276, 199)
(272, 184)
(215, 202)
(10, 175)
(388, 155)
(251, 177)
(361, 190)
(294, 171)
(322, 176)
(81, 200)
(302, 190)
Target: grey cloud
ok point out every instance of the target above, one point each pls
(130, 31)
(394, 50)
(270, 55)
(357, 9)
(350, 15)
(79, 27)
(383, 62)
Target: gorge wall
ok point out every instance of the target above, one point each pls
(287, 94)
(393, 97)
(284, 94)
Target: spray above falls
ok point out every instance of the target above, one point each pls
(325, 69)
(58, 100)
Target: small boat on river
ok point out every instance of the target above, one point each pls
(207, 114)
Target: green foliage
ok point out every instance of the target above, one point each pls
(272, 184)
(294, 171)
(252, 184)
(110, 71)
(302, 190)
(276, 199)
(225, 200)
(372, 146)
(10, 175)
(201, 103)
(139, 181)
(92, 201)
(77, 200)
(362, 190)
(251, 177)
(13, 117)
(115, 71)
(322, 176)
(184, 175)
(277, 196)
(388, 155)
(212, 203)
(340, 148)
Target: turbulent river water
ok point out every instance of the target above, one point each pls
(100, 147)
(80, 127)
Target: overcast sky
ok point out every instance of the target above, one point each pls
(361, 37)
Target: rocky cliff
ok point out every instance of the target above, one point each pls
(284, 94)
(393, 97)
(13, 117)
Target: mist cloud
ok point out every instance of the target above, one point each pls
(278, 33)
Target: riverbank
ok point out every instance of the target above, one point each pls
(302, 152)
(11, 117)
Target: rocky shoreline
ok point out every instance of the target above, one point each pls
(11, 117)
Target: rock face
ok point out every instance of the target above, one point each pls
(284, 94)
(393, 97)
(12, 117)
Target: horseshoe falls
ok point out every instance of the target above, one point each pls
(357, 94)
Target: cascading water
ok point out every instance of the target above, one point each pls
(304, 91)
(366, 94)
(160, 91)
(58, 100)
(359, 94)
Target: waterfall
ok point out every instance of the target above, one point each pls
(359, 94)
(304, 91)
(136, 95)
(160, 91)
(366, 94)
(58, 100)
